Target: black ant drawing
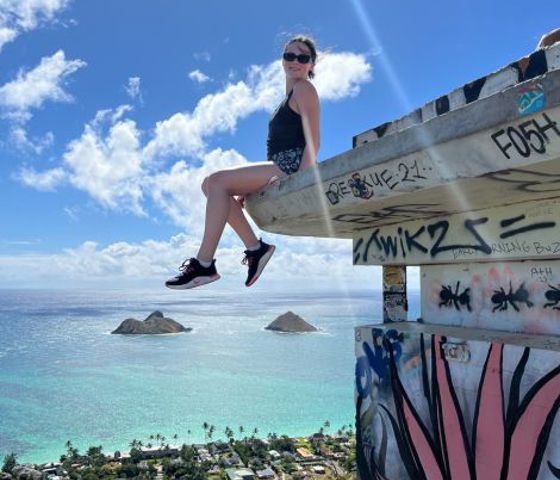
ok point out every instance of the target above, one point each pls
(449, 297)
(501, 298)
(554, 297)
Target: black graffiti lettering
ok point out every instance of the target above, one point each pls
(400, 232)
(528, 180)
(511, 247)
(333, 194)
(387, 177)
(398, 212)
(556, 247)
(411, 240)
(538, 248)
(541, 272)
(542, 248)
(528, 228)
(462, 252)
(526, 150)
(372, 237)
(528, 133)
(375, 180)
(550, 124)
(510, 221)
(432, 229)
(403, 167)
(527, 137)
(415, 167)
(389, 244)
(503, 148)
(470, 225)
(342, 188)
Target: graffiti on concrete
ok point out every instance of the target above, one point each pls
(501, 299)
(510, 232)
(421, 425)
(526, 138)
(509, 296)
(531, 99)
(528, 180)
(364, 184)
(553, 295)
(453, 298)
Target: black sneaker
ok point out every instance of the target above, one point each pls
(257, 260)
(193, 274)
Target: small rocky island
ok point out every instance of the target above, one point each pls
(291, 323)
(155, 323)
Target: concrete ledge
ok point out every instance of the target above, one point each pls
(543, 342)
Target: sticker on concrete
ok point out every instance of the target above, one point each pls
(531, 99)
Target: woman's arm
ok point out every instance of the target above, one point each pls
(307, 101)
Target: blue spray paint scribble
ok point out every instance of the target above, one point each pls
(531, 100)
(364, 379)
(378, 357)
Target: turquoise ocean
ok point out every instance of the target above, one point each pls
(63, 376)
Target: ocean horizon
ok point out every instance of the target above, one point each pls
(63, 376)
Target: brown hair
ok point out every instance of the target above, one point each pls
(310, 43)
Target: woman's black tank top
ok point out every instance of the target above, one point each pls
(285, 130)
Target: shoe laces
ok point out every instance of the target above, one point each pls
(187, 266)
(248, 258)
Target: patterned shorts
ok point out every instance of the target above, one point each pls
(288, 160)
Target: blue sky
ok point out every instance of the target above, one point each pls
(111, 113)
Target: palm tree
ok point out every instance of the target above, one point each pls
(241, 429)
(205, 427)
(255, 431)
(175, 436)
(211, 431)
(229, 434)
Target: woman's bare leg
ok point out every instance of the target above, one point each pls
(237, 220)
(221, 207)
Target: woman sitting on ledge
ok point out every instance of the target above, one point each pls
(292, 145)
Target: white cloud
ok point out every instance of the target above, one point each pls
(31, 89)
(133, 89)
(45, 181)
(108, 166)
(312, 262)
(339, 75)
(198, 76)
(119, 171)
(20, 139)
(17, 16)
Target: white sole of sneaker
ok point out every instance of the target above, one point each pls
(195, 282)
(264, 260)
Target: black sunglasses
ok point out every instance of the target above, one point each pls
(301, 58)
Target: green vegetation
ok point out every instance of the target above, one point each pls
(157, 459)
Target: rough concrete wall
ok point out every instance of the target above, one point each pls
(512, 296)
(435, 407)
